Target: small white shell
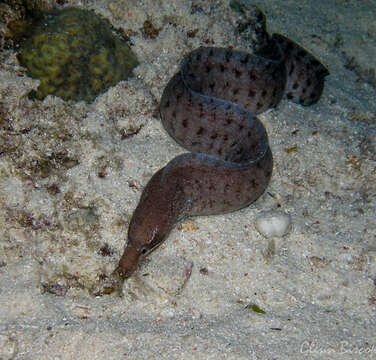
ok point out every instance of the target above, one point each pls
(273, 223)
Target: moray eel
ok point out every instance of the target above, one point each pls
(209, 107)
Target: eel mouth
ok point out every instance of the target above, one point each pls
(114, 282)
(128, 262)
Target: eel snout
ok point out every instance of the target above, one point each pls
(114, 282)
(128, 262)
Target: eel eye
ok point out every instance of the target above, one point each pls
(143, 250)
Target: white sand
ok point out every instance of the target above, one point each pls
(316, 284)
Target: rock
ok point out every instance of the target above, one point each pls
(273, 223)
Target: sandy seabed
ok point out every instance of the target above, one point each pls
(71, 176)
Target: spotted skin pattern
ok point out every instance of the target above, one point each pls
(209, 107)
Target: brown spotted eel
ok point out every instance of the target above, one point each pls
(209, 108)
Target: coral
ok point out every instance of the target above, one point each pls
(10, 14)
(75, 55)
(16, 16)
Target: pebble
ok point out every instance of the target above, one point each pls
(273, 223)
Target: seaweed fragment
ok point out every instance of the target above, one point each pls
(255, 308)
